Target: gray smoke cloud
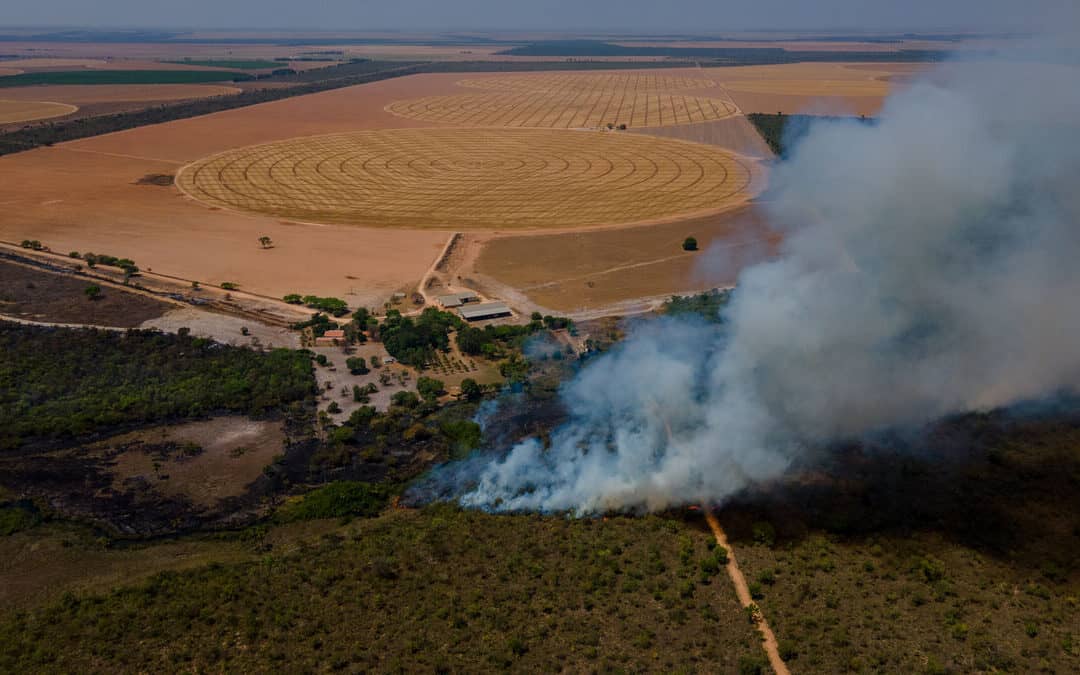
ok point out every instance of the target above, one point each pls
(930, 267)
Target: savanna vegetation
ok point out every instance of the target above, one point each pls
(61, 383)
(437, 590)
(706, 305)
(954, 553)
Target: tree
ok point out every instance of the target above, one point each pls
(689, 244)
(333, 408)
(470, 389)
(293, 299)
(93, 291)
(429, 388)
(266, 242)
(357, 365)
(405, 399)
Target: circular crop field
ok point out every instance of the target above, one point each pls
(566, 110)
(25, 111)
(472, 178)
(573, 82)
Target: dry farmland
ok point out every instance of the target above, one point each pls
(25, 111)
(830, 88)
(389, 184)
(467, 179)
(572, 101)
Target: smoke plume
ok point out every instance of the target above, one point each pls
(930, 267)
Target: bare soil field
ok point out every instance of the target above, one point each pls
(25, 111)
(201, 461)
(9, 71)
(813, 88)
(467, 179)
(37, 295)
(581, 271)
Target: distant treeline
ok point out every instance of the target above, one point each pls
(716, 55)
(60, 383)
(781, 131)
(334, 77)
(528, 66)
(122, 77)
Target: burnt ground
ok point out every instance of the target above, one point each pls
(156, 481)
(38, 295)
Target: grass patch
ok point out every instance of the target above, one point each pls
(338, 500)
(237, 64)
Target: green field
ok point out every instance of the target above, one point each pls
(122, 77)
(236, 64)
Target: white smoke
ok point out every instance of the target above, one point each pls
(931, 266)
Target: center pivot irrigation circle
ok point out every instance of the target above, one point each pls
(472, 178)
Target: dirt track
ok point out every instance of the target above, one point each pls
(769, 644)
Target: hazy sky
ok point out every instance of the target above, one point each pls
(699, 16)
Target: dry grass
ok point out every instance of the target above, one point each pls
(24, 111)
(464, 179)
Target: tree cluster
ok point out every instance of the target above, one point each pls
(62, 383)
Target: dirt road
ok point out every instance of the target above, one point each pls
(769, 643)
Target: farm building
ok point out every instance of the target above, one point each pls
(487, 310)
(458, 299)
(331, 338)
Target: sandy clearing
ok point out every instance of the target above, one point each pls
(234, 452)
(224, 329)
(9, 71)
(87, 94)
(25, 111)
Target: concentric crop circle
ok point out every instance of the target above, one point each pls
(472, 178)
